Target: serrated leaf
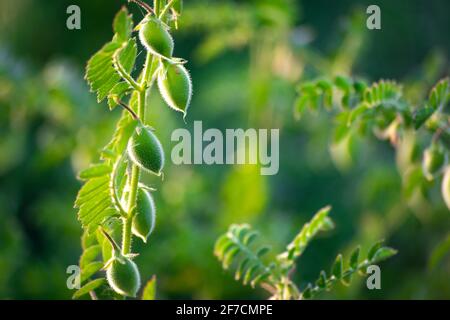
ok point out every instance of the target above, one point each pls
(91, 286)
(149, 292)
(95, 204)
(94, 171)
(123, 25)
(100, 72)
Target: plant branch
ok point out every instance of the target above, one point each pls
(126, 107)
(135, 171)
(144, 5)
(166, 8)
(123, 73)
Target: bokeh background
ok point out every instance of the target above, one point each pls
(246, 58)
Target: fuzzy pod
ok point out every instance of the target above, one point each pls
(144, 219)
(154, 35)
(434, 160)
(146, 151)
(123, 276)
(446, 187)
(175, 86)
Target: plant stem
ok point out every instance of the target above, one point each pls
(156, 4)
(166, 8)
(135, 170)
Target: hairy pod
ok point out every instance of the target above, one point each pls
(175, 86)
(154, 35)
(434, 160)
(144, 219)
(146, 151)
(123, 276)
(446, 187)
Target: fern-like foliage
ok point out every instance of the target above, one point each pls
(238, 248)
(383, 110)
(341, 273)
(320, 222)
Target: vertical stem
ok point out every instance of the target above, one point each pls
(156, 4)
(135, 170)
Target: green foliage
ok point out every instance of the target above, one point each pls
(237, 248)
(107, 203)
(344, 274)
(383, 110)
(149, 292)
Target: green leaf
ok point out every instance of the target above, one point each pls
(90, 269)
(421, 116)
(95, 203)
(100, 72)
(439, 95)
(354, 258)
(149, 292)
(91, 286)
(382, 254)
(117, 93)
(124, 130)
(95, 171)
(320, 222)
(374, 250)
(307, 293)
(123, 25)
(338, 267)
(439, 253)
(88, 240)
(89, 255)
(322, 281)
(233, 248)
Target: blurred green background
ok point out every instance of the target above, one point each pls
(246, 58)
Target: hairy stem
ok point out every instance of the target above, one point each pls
(135, 171)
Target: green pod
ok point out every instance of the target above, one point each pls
(156, 38)
(434, 160)
(123, 276)
(175, 86)
(144, 219)
(446, 187)
(146, 151)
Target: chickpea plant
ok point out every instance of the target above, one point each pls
(113, 205)
(381, 108)
(238, 248)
